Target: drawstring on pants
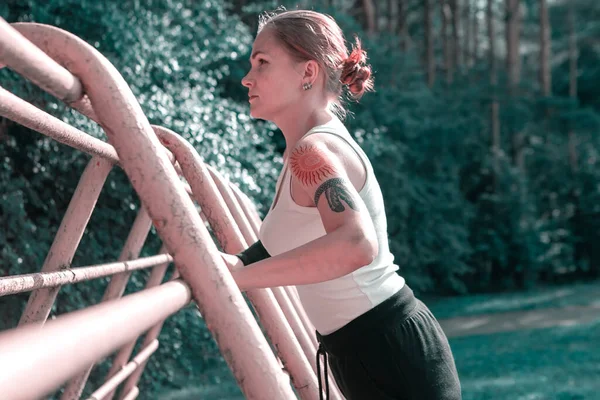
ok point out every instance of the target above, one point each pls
(321, 351)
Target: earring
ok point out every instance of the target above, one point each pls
(307, 86)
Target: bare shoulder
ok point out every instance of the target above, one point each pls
(322, 154)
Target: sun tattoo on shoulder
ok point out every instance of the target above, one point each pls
(310, 165)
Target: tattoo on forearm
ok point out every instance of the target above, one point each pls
(309, 164)
(335, 192)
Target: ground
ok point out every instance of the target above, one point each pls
(543, 344)
(538, 345)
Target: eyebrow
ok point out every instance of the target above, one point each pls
(256, 53)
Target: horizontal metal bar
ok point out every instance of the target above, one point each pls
(27, 282)
(127, 370)
(61, 349)
(68, 236)
(22, 56)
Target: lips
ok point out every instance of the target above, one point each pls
(252, 97)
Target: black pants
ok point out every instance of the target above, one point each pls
(395, 351)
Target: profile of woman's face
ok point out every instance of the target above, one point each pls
(274, 81)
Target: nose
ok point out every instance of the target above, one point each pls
(247, 81)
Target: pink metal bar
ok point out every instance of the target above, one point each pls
(23, 57)
(232, 205)
(132, 381)
(282, 298)
(292, 294)
(121, 358)
(26, 114)
(214, 207)
(20, 111)
(288, 299)
(284, 302)
(108, 326)
(308, 326)
(177, 222)
(28, 282)
(67, 238)
(127, 370)
(247, 207)
(131, 250)
(204, 190)
(133, 394)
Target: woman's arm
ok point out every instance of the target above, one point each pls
(350, 241)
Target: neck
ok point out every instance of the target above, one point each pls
(295, 124)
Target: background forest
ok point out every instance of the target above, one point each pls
(482, 131)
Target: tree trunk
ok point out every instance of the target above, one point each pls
(573, 157)
(513, 27)
(402, 25)
(446, 15)
(475, 32)
(370, 17)
(455, 26)
(467, 32)
(495, 120)
(390, 17)
(545, 73)
(513, 67)
(238, 4)
(429, 55)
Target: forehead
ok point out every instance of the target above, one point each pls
(266, 42)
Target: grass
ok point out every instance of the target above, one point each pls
(559, 363)
(554, 363)
(546, 297)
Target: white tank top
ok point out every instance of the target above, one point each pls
(332, 304)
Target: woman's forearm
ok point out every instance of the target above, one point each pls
(331, 256)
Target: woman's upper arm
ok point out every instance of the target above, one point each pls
(321, 174)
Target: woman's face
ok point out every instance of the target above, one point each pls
(274, 81)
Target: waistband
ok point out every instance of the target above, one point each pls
(396, 308)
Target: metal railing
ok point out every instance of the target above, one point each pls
(154, 159)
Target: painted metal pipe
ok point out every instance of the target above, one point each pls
(26, 114)
(204, 190)
(111, 384)
(133, 394)
(22, 56)
(224, 226)
(288, 300)
(20, 111)
(107, 325)
(67, 238)
(178, 224)
(232, 205)
(131, 251)
(280, 295)
(28, 282)
(124, 353)
(255, 221)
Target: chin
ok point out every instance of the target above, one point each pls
(258, 115)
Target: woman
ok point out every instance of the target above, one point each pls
(326, 230)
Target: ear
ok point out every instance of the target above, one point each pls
(311, 72)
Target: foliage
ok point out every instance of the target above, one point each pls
(461, 218)
(175, 58)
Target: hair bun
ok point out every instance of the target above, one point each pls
(356, 74)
